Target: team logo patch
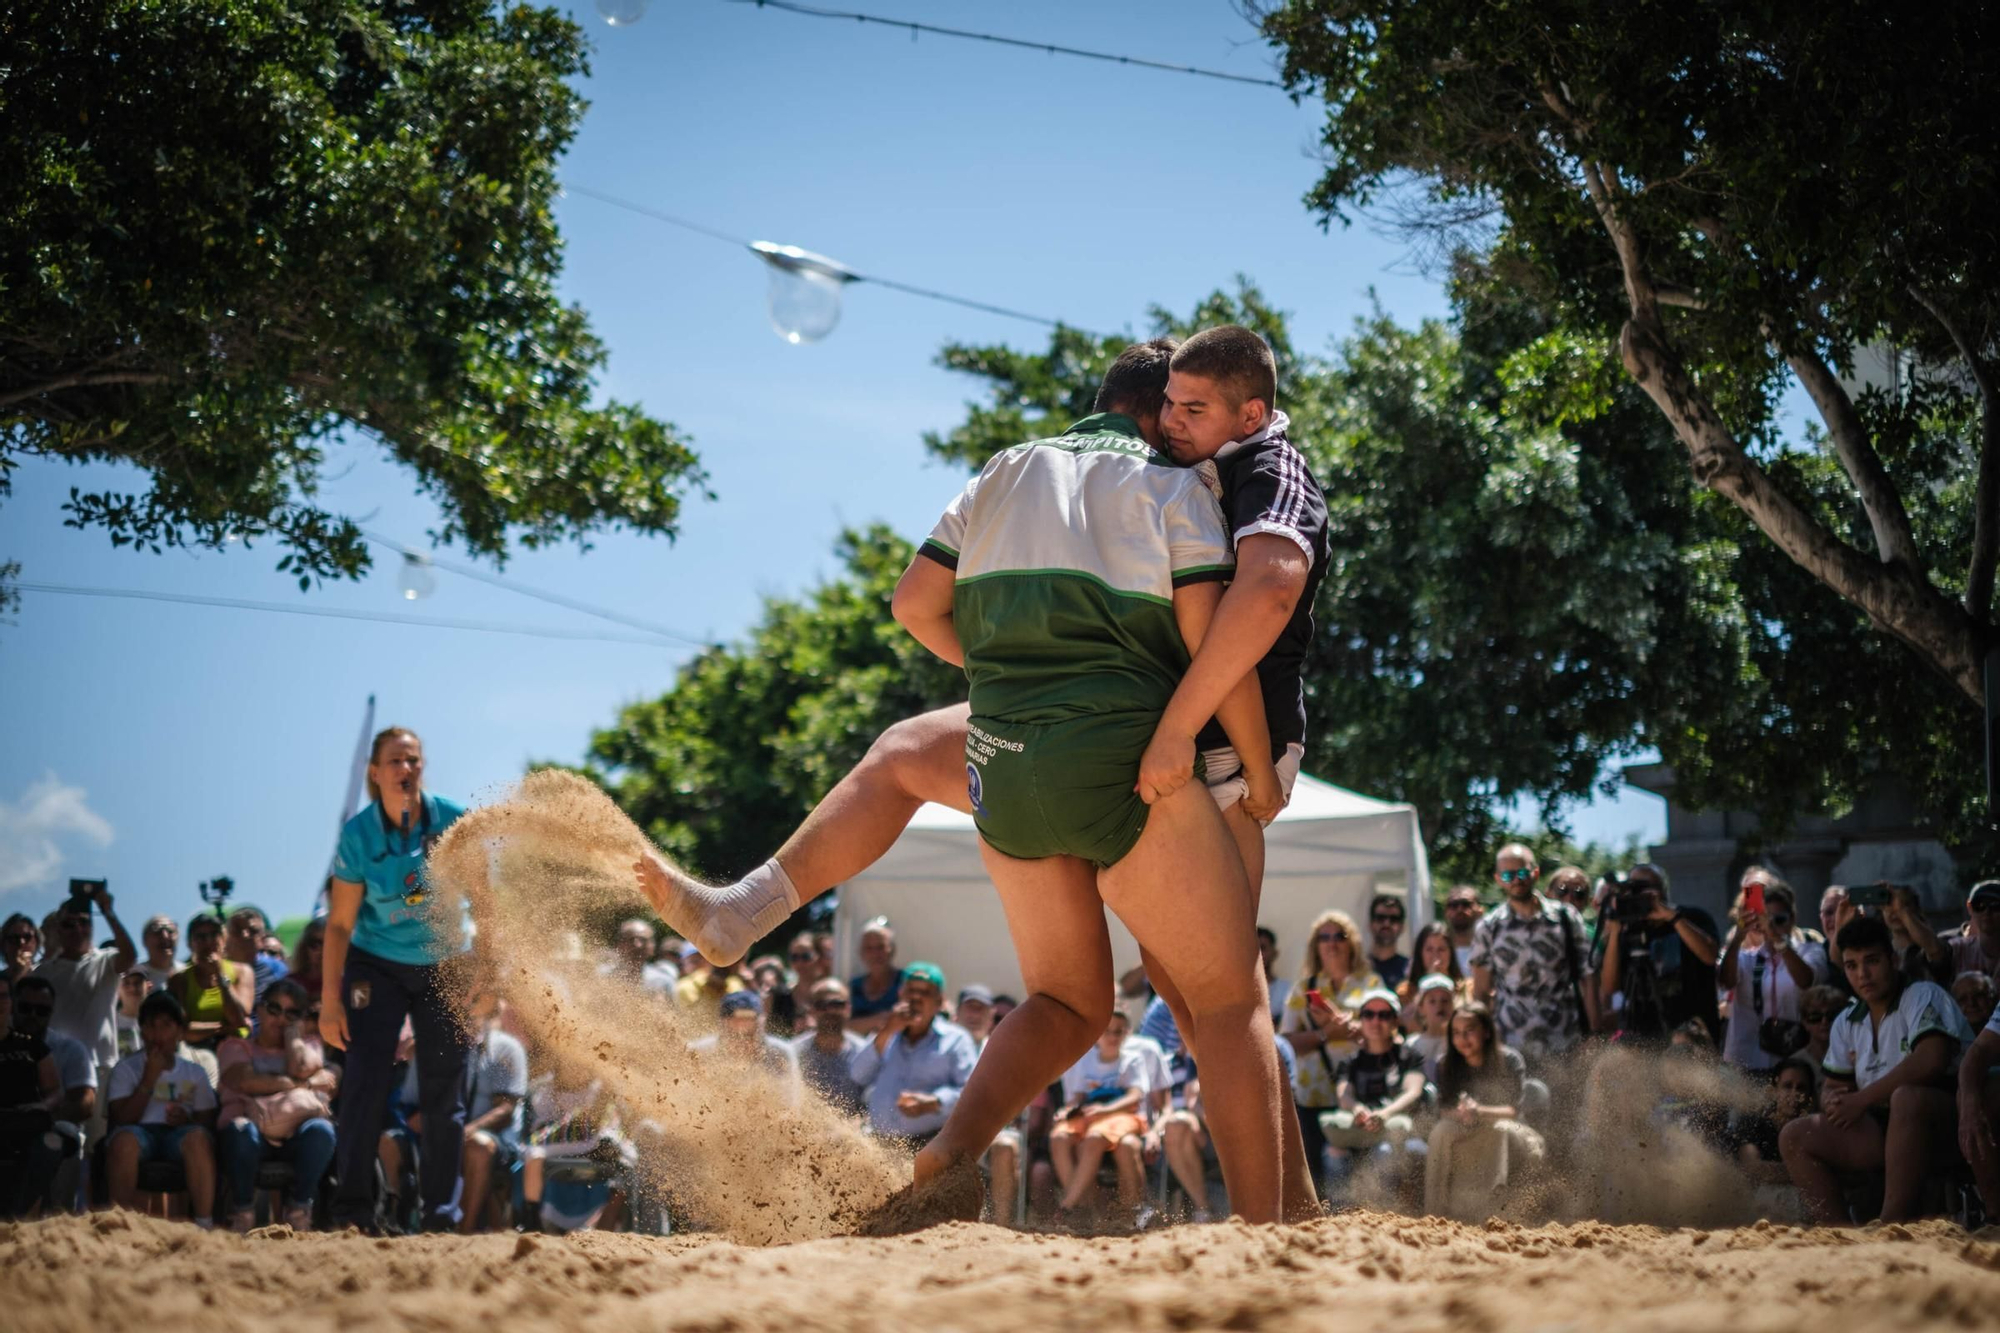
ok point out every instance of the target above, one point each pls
(413, 889)
(975, 789)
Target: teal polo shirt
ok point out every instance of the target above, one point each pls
(396, 921)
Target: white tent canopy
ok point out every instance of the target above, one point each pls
(1329, 848)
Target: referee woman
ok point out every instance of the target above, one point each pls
(388, 956)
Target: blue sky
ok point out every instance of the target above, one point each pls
(160, 745)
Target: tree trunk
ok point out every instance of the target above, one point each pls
(1897, 599)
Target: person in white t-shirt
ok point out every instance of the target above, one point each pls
(1105, 1096)
(162, 1109)
(1767, 966)
(86, 979)
(1886, 1105)
(1979, 1112)
(160, 937)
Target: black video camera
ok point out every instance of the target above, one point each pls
(1628, 905)
(83, 895)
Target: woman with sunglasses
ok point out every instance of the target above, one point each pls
(1319, 1025)
(1767, 966)
(1378, 1089)
(20, 945)
(1818, 1007)
(276, 1098)
(216, 995)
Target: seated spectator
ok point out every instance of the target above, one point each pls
(1974, 946)
(1378, 1088)
(277, 1105)
(1818, 1008)
(634, 960)
(802, 956)
(1767, 966)
(773, 985)
(571, 1118)
(744, 1041)
(1889, 1063)
(499, 1065)
(133, 988)
(217, 995)
(1003, 1005)
(1979, 1112)
(162, 1109)
(875, 992)
(1104, 1111)
(1754, 1138)
(974, 1013)
(1319, 1022)
(20, 945)
(1480, 1144)
(1687, 1099)
(1431, 956)
(29, 1091)
(701, 989)
(1386, 916)
(1920, 955)
(1658, 969)
(243, 945)
(1437, 1001)
(1976, 996)
(1279, 987)
(824, 1052)
(76, 1071)
(159, 939)
(308, 958)
(917, 1063)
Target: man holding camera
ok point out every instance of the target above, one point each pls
(1659, 960)
(86, 980)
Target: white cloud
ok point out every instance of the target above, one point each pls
(33, 829)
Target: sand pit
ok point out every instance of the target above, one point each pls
(110, 1273)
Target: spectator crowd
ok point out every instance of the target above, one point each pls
(1845, 1065)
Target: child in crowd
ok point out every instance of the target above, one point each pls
(162, 1109)
(1436, 1001)
(571, 1119)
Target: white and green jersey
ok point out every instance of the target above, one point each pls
(1067, 553)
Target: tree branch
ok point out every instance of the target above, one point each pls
(82, 379)
(1986, 490)
(1879, 496)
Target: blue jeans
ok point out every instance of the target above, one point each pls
(242, 1150)
(157, 1143)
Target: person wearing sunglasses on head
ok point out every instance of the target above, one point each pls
(276, 1105)
(1767, 966)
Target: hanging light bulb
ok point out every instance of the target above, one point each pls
(804, 299)
(621, 13)
(415, 579)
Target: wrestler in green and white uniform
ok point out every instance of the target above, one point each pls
(1066, 554)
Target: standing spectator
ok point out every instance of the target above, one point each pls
(634, 961)
(217, 996)
(974, 1013)
(390, 957)
(1432, 956)
(243, 945)
(1462, 911)
(493, 1108)
(744, 1040)
(20, 945)
(1104, 1111)
(876, 991)
(160, 938)
(162, 1109)
(29, 1089)
(1378, 1087)
(1659, 966)
(1767, 966)
(1385, 930)
(1531, 963)
(77, 1073)
(1319, 1025)
(309, 959)
(824, 1052)
(916, 1064)
(1280, 987)
(276, 1106)
(1976, 996)
(1887, 1105)
(1479, 1144)
(1973, 947)
(86, 979)
(1570, 885)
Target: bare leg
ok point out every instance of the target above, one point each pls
(1918, 1117)
(477, 1169)
(1987, 1170)
(1130, 1155)
(198, 1161)
(1183, 1147)
(1083, 1175)
(1057, 921)
(1003, 1162)
(121, 1168)
(1182, 893)
(531, 1178)
(1062, 1155)
(1815, 1154)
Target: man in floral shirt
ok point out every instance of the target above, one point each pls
(1530, 961)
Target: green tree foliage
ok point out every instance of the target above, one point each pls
(1736, 197)
(722, 767)
(233, 229)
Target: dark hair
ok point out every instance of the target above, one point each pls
(1454, 1071)
(1866, 932)
(1267, 934)
(200, 920)
(1137, 381)
(383, 737)
(1234, 357)
(248, 910)
(286, 988)
(1799, 1063)
(161, 1004)
(31, 982)
(22, 919)
(1394, 900)
(1417, 950)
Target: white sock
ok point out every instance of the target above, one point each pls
(724, 922)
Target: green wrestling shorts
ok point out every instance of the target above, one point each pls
(1060, 788)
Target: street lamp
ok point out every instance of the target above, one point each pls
(804, 299)
(415, 579)
(621, 13)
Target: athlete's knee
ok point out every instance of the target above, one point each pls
(913, 750)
